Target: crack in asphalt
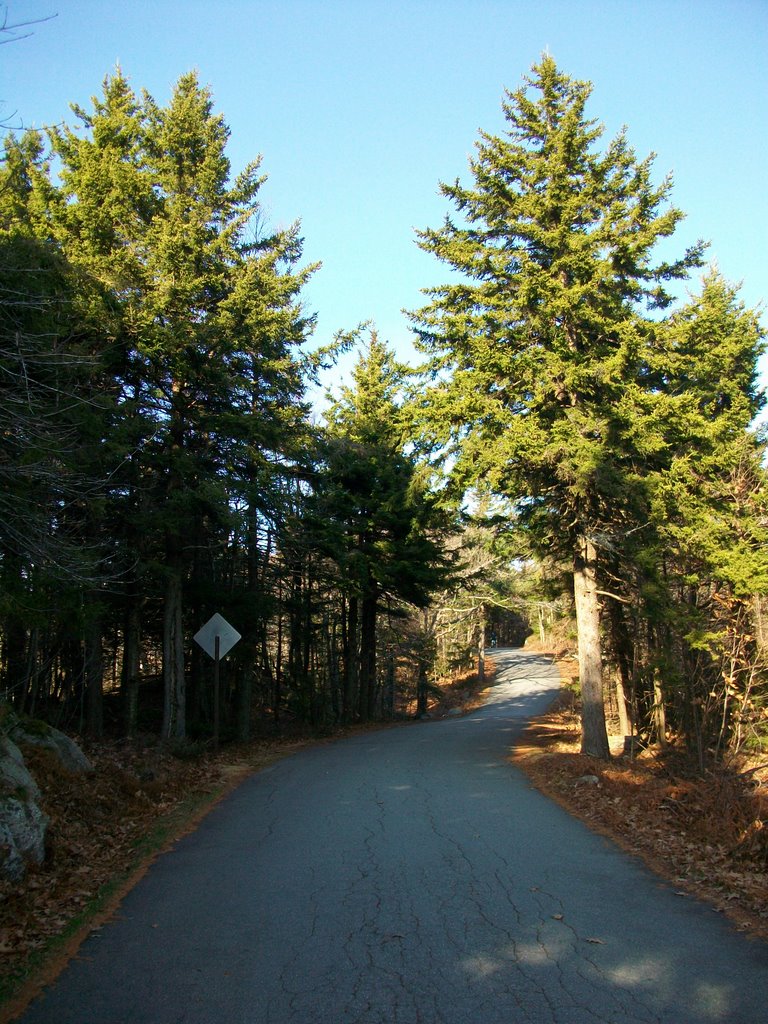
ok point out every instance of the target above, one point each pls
(467, 915)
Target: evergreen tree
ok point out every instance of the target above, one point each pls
(201, 320)
(374, 513)
(34, 291)
(537, 349)
(706, 551)
(52, 421)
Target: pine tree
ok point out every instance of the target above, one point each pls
(537, 348)
(373, 511)
(705, 399)
(54, 410)
(201, 320)
(707, 546)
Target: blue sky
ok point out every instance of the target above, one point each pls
(360, 107)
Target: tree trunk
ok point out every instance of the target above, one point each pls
(13, 632)
(542, 630)
(31, 676)
(421, 691)
(481, 648)
(659, 711)
(351, 662)
(278, 693)
(244, 701)
(594, 737)
(177, 532)
(367, 656)
(625, 718)
(389, 702)
(758, 616)
(308, 681)
(296, 633)
(131, 667)
(14, 662)
(332, 657)
(94, 670)
(622, 646)
(174, 705)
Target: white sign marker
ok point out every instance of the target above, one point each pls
(217, 626)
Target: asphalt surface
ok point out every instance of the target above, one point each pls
(408, 875)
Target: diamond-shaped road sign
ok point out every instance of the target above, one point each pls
(217, 625)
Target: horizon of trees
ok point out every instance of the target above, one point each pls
(159, 461)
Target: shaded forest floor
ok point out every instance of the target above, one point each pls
(704, 835)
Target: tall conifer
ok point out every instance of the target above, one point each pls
(535, 345)
(201, 320)
(373, 511)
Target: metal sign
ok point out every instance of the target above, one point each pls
(217, 627)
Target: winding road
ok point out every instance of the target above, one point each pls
(408, 876)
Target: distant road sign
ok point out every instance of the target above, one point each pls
(217, 625)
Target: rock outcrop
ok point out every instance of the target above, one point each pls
(23, 824)
(38, 734)
(14, 775)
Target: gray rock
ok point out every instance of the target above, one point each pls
(454, 712)
(587, 780)
(69, 754)
(22, 836)
(23, 824)
(12, 864)
(15, 779)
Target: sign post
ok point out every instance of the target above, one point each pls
(217, 638)
(216, 660)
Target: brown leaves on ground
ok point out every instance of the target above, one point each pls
(706, 834)
(464, 691)
(97, 822)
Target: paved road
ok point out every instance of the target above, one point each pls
(408, 876)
